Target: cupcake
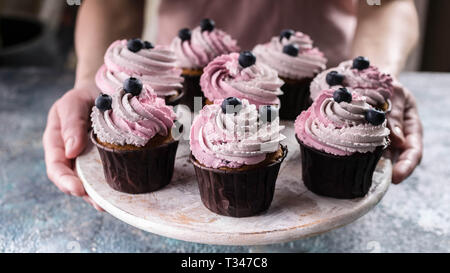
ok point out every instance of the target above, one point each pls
(236, 153)
(132, 130)
(362, 77)
(239, 75)
(194, 50)
(297, 62)
(153, 65)
(341, 140)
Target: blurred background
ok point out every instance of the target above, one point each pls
(40, 33)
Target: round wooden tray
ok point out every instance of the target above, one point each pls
(176, 211)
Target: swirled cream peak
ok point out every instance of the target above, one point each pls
(375, 86)
(339, 128)
(225, 77)
(155, 67)
(309, 61)
(133, 119)
(203, 47)
(233, 140)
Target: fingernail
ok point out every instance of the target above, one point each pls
(404, 166)
(398, 132)
(69, 144)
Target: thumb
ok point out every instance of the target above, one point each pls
(74, 117)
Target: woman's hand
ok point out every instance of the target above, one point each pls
(65, 137)
(406, 133)
(386, 34)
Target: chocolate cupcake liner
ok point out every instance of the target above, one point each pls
(342, 177)
(174, 100)
(295, 99)
(191, 87)
(138, 171)
(237, 193)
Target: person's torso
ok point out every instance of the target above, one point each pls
(330, 23)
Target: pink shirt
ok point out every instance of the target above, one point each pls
(330, 23)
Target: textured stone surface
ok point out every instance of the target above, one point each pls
(36, 217)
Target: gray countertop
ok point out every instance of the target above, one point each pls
(36, 217)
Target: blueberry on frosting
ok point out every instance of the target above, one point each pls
(268, 113)
(286, 33)
(134, 45)
(375, 117)
(207, 24)
(342, 94)
(246, 59)
(148, 45)
(184, 34)
(291, 50)
(231, 105)
(334, 78)
(361, 63)
(103, 102)
(133, 86)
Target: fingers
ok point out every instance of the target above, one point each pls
(413, 125)
(407, 162)
(64, 138)
(396, 117)
(59, 168)
(92, 202)
(73, 113)
(412, 149)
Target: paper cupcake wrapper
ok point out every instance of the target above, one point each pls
(237, 193)
(191, 87)
(138, 171)
(295, 98)
(342, 177)
(174, 100)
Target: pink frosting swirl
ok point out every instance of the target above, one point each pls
(339, 128)
(225, 77)
(309, 61)
(232, 140)
(371, 83)
(133, 119)
(155, 67)
(203, 47)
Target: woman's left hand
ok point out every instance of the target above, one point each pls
(406, 133)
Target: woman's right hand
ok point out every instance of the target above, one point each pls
(65, 137)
